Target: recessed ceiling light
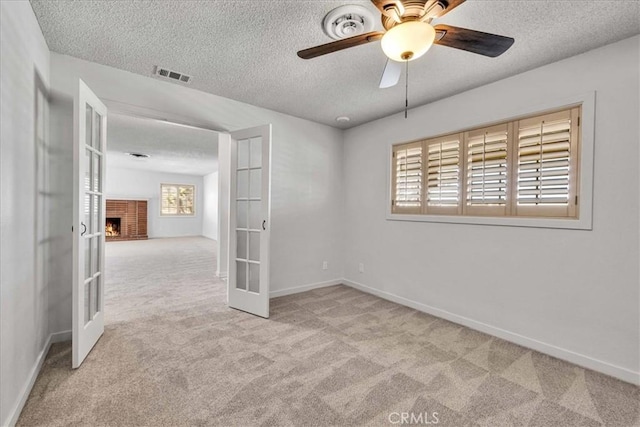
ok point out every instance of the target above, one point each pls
(138, 155)
(342, 119)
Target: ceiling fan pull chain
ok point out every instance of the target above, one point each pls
(406, 89)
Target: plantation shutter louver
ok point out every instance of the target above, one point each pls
(547, 159)
(443, 175)
(487, 169)
(407, 182)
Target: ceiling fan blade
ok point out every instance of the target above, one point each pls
(472, 41)
(323, 49)
(391, 74)
(449, 6)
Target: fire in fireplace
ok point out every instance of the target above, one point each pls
(113, 227)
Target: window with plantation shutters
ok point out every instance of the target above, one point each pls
(521, 168)
(407, 178)
(486, 172)
(444, 164)
(547, 160)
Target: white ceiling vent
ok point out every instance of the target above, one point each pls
(171, 75)
(347, 21)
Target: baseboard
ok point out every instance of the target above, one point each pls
(60, 336)
(12, 419)
(621, 373)
(304, 288)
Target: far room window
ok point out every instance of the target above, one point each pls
(177, 199)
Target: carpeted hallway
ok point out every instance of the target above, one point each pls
(174, 354)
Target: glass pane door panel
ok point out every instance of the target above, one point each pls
(256, 152)
(93, 298)
(98, 293)
(97, 144)
(241, 214)
(87, 170)
(95, 215)
(87, 258)
(243, 184)
(243, 153)
(95, 172)
(255, 186)
(95, 253)
(254, 278)
(87, 298)
(241, 245)
(255, 215)
(241, 275)
(88, 125)
(254, 246)
(88, 203)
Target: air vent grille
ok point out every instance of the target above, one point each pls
(171, 75)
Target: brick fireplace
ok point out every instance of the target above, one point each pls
(126, 220)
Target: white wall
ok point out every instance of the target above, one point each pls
(584, 304)
(61, 213)
(210, 206)
(24, 327)
(145, 185)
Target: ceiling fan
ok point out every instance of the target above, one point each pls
(409, 35)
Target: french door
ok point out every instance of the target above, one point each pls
(90, 145)
(249, 225)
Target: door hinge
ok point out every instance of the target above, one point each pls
(576, 203)
(393, 202)
(72, 228)
(578, 120)
(393, 155)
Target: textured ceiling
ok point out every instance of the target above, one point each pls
(246, 50)
(172, 148)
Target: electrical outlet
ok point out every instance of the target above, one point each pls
(325, 265)
(361, 268)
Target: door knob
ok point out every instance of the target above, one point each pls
(84, 229)
(264, 224)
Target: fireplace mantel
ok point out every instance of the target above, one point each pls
(132, 218)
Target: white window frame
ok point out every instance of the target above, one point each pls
(178, 214)
(587, 145)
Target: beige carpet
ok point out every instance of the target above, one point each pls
(174, 354)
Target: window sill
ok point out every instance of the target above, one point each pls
(568, 223)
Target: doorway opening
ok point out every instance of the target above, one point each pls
(161, 194)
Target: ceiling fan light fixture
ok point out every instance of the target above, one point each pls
(408, 41)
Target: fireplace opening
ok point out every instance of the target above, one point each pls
(113, 227)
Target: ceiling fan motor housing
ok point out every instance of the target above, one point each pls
(411, 10)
